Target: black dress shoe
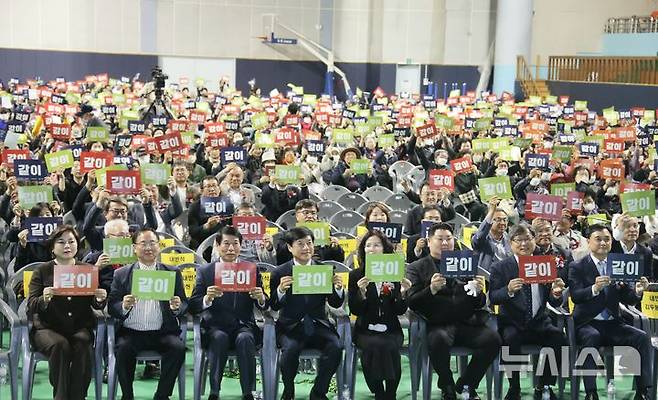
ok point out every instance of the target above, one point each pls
(513, 394)
(449, 393)
(288, 395)
(151, 370)
(592, 396)
(248, 396)
(641, 395)
(539, 393)
(213, 397)
(317, 396)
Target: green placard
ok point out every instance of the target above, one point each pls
(594, 219)
(100, 173)
(499, 186)
(443, 121)
(362, 129)
(155, 174)
(600, 139)
(375, 121)
(203, 106)
(72, 98)
(309, 99)
(118, 99)
(120, 250)
(482, 124)
(343, 136)
(562, 189)
(510, 153)
(551, 100)
(259, 120)
(29, 196)
(638, 204)
(580, 105)
(127, 115)
(312, 279)
(360, 165)
(264, 140)
(493, 144)
(188, 138)
(59, 160)
(523, 143)
(288, 173)
(562, 153)
(153, 285)
(320, 232)
(386, 141)
(97, 134)
(385, 267)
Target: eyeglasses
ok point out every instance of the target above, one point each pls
(148, 244)
(521, 240)
(119, 211)
(118, 235)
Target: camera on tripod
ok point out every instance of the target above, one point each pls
(158, 80)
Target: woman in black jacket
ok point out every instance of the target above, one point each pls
(377, 332)
(62, 327)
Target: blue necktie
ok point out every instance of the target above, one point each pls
(603, 268)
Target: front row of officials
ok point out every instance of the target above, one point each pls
(453, 308)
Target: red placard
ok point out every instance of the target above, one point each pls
(214, 127)
(235, 277)
(8, 156)
(286, 136)
(404, 120)
(563, 100)
(91, 160)
(177, 125)
(612, 168)
(139, 141)
(172, 141)
(335, 120)
(53, 108)
(198, 116)
(614, 146)
(291, 120)
(627, 187)
(251, 228)
(60, 131)
(322, 118)
(427, 131)
(626, 133)
(441, 178)
(575, 202)
(461, 165)
(216, 141)
(75, 280)
(543, 206)
(537, 269)
(123, 182)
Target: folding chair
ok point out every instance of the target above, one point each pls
(251, 187)
(364, 207)
(328, 208)
(207, 243)
(352, 201)
(400, 201)
(417, 177)
(398, 216)
(346, 221)
(333, 192)
(377, 193)
(10, 356)
(398, 170)
(287, 219)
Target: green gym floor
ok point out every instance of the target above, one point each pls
(144, 389)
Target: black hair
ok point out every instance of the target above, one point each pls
(136, 234)
(361, 250)
(296, 233)
(228, 231)
(598, 228)
(439, 225)
(522, 229)
(38, 208)
(59, 232)
(306, 203)
(431, 208)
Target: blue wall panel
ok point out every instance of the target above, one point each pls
(602, 95)
(25, 64)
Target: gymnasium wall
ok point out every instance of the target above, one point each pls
(603, 95)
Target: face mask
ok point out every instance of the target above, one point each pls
(588, 207)
(535, 181)
(477, 158)
(144, 159)
(612, 191)
(501, 172)
(441, 161)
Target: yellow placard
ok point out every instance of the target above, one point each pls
(467, 234)
(164, 243)
(348, 245)
(176, 259)
(361, 230)
(271, 230)
(403, 242)
(265, 278)
(571, 305)
(27, 277)
(346, 279)
(189, 280)
(650, 304)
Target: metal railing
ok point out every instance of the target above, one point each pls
(634, 24)
(638, 70)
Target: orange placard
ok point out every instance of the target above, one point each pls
(612, 168)
(75, 280)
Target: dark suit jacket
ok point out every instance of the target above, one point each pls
(122, 285)
(644, 252)
(449, 305)
(582, 275)
(513, 309)
(564, 259)
(327, 252)
(62, 314)
(195, 220)
(293, 307)
(95, 233)
(415, 216)
(375, 309)
(227, 313)
(411, 245)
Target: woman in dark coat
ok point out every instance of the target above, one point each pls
(62, 326)
(377, 332)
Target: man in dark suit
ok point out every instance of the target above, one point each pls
(302, 321)
(428, 197)
(522, 317)
(628, 230)
(417, 246)
(596, 314)
(228, 318)
(545, 246)
(202, 225)
(307, 211)
(453, 310)
(147, 324)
